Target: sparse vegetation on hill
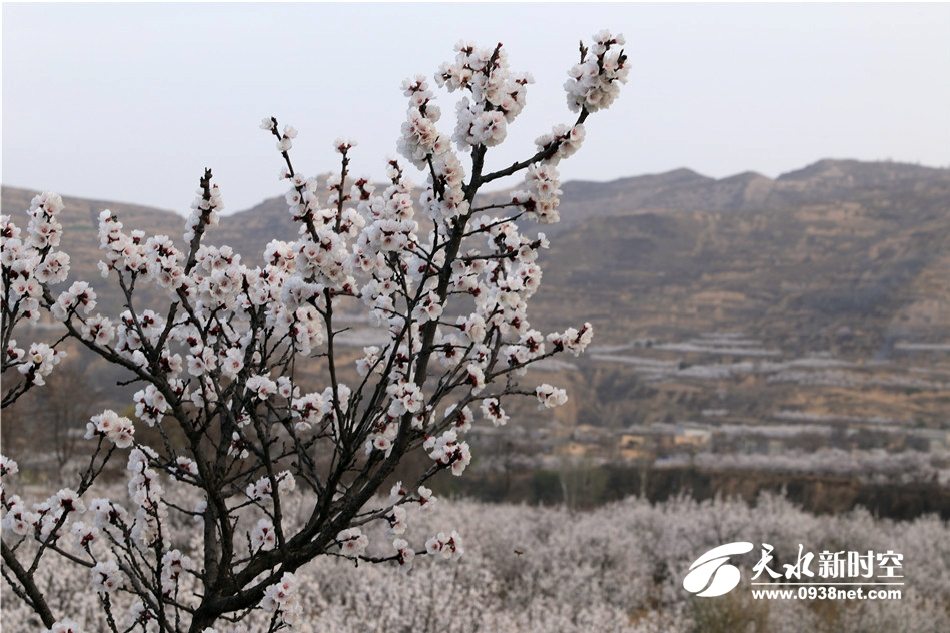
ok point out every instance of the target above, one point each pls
(821, 294)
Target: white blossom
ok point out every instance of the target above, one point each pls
(352, 542)
(105, 577)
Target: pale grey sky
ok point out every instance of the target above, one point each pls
(129, 102)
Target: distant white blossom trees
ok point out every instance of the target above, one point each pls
(616, 569)
(218, 366)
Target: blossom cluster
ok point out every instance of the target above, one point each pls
(35, 364)
(110, 425)
(29, 262)
(40, 519)
(282, 597)
(595, 82)
(542, 196)
(497, 95)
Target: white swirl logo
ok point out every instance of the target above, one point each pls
(710, 575)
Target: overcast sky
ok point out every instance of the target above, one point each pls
(129, 102)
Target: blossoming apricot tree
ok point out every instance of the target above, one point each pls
(218, 365)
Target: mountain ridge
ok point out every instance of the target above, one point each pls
(677, 177)
(815, 248)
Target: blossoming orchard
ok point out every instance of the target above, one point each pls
(256, 472)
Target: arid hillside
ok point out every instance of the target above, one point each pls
(804, 312)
